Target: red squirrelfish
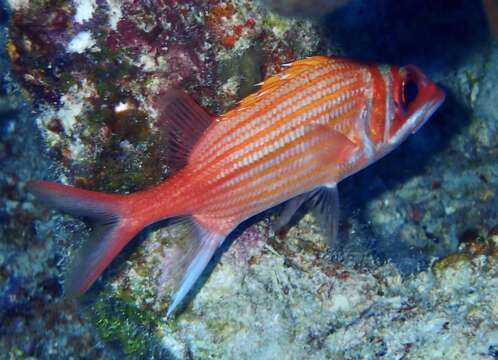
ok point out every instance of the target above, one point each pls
(308, 127)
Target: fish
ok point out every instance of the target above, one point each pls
(316, 122)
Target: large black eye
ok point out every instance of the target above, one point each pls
(410, 91)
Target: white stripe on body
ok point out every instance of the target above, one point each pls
(232, 132)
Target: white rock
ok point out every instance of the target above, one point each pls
(81, 42)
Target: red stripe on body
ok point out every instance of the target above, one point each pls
(231, 160)
(235, 120)
(240, 121)
(249, 183)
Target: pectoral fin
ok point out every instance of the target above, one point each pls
(338, 148)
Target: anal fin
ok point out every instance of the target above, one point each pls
(198, 247)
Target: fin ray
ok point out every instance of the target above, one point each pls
(198, 247)
(74, 201)
(184, 122)
(291, 71)
(327, 211)
(280, 225)
(337, 148)
(111, 229)
(97, 252)
(324, 202)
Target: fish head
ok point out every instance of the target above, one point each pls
(414, 98)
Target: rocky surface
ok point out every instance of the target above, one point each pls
(417, 276)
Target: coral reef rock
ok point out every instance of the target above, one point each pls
(417, 274)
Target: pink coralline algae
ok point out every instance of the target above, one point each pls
(96, 69)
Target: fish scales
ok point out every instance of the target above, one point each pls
(289, 156)
(264, 150)
(238, 120)
(269, 148)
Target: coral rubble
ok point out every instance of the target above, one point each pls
(416, 277)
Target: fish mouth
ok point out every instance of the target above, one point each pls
(427, 110)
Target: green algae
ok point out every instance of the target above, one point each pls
(224, 328)
(241, 73)
(278, 24)
(130, 174)
(111, 168)
(132, 125)
(38, 6)
(250, 65)
(454, 261)
(132, 328)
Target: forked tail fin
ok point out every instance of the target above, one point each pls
(112, 229)
(114, 224)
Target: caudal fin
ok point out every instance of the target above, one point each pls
(112, 230)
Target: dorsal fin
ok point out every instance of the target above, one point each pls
(183, 121)
(291, 71)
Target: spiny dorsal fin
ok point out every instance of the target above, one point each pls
(184, 121)
(291, 71)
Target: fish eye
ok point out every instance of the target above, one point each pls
(410, 91)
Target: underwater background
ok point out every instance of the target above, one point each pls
(417, 275)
